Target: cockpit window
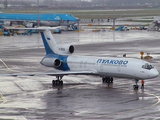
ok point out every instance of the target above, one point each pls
(147, 66)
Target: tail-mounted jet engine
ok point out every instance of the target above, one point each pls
(66, 49)
(51, 62)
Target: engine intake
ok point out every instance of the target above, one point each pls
(71, 49)
(57, 63)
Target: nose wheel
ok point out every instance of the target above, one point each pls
(57, 82)
(136, 86)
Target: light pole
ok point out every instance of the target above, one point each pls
(5, 4)
(38, 11)
(114, 15)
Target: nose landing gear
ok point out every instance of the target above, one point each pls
(135, 87)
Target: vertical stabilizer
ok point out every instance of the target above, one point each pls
(50, 43)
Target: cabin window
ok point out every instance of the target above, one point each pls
(147, 66)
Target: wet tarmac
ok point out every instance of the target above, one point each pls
(81, 97)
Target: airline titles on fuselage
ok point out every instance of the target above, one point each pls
(112, 62)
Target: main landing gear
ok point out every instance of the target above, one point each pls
(58, 81)
(135, 87)
(107, 79)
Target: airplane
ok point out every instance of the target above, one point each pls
(45, 19)
(61, 57)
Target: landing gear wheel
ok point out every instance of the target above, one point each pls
(53, 82)
(103, 80)
(107, 79)
(111, 80)
(135, 87)
(61, 82)
(57, 82)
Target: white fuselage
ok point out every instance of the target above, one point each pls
(112, 67)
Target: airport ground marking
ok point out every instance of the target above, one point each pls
(3, 98)
(7, 66)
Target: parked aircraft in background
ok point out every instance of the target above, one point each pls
(45, 19)
(60, 58)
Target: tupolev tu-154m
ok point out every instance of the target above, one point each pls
(60, 57)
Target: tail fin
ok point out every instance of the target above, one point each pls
(52, 47)
(49, 42)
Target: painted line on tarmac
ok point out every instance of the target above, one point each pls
(4, 100)
(7, 66)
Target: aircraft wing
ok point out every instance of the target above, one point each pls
(56, 73)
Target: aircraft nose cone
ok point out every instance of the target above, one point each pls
(155, 73)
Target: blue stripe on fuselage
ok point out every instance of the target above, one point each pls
(51, 54)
